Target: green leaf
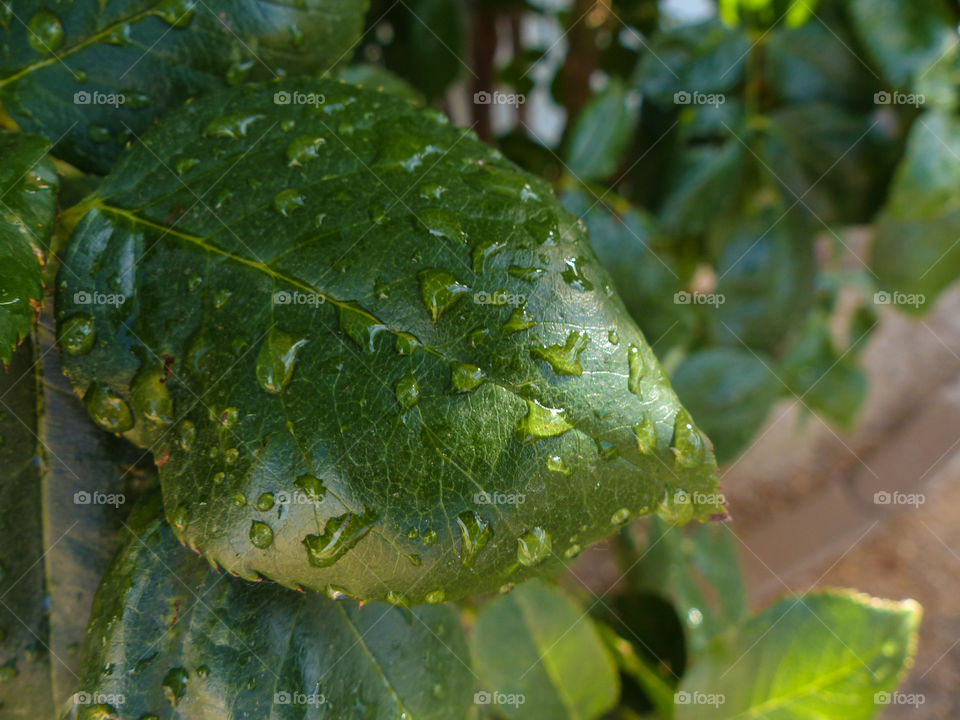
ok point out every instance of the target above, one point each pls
(731, 391)
(601, 131)
(173, 638)
(28, 191)
(904, 37)
(374, 77)
(916, 252)
(381, 338)
(64, 70)
(540, 656)
(824, 654)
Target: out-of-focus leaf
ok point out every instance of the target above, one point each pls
(536, 644)
(731, 391)
(374, 77)
(340, 366)
(904, 37)
(89, 74)
(915, 249)
(824, 654)
(828, 382)
(647, 281)
(601, 131)
(183, 641)
(765, 276)
(28, 192)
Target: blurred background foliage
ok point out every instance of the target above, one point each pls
(720, 153)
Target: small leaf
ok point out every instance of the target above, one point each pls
(539, 657)
(601, 131)
(824, 654)
(168, 632)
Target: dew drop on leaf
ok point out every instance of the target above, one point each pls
(518, 320)
(475, 533)
(360, 326)
(303, 149)
(44, 32)
(150, 397)
(187, 435)
(442, 224)
(534, 546)
(465, 377)
(435, 597)
(555, 464)
(564, 359)
(340, 534)
(237, 72)
(484, 251)
(175, 684)
(407, 391)
(636, 370)
(107, 408)
(180, 517)
(276, 360)
(233, 126)
(646, 434)
(620, 516)
(541, 422)
(77, 335)
(265, 502)
(439, 290)
(261, 535)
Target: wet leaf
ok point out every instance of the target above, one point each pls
(411, 250)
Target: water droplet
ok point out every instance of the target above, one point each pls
(397, 598)
(276, 360)
(637, 370)
(415, 560)
(98, 133)
(694, 617)
(150, 397)
(228, 418)
(340, 534)
(431, 191)
(184, 164)
(80, 76)
(360, 326)
(303, 149)
(238, 72)
(607, 450)
(408, 391)
(506, 588)
(646, 434)
(620, 516)
(484, 251)
(407, 343)
(77, 335)
(136, 99)
(475, 533)
(442, 223)
(337, 592)
(573, 551)
(239, 500)
(231, 126)
(614, 337)
(203, 672)
(465, 378)
(312, 487)
(518, 320)
(435, 597)
(265, 502)
(688, 443)
(119, 35)
(143, 663)
(180, 518)
(573, 274)
(107, 408)
(534, 546)
(176, 13)
(44, 32)
(541, 422)
(287, 124)
(564, 359)
(175, 685)
(439, 290)
(429, 537)
(230, 455)
(413, 533)
(287, 201)
(526, 273)
(676, 507)
(261, 535)
(555, 463)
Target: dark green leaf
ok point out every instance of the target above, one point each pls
(731, 391)
(601, 131)
(824, 654)
(381, 337)
(374, 77)
(916, 253)
(28, 191)
(172, 638)
(63, 71)
(540, 656)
